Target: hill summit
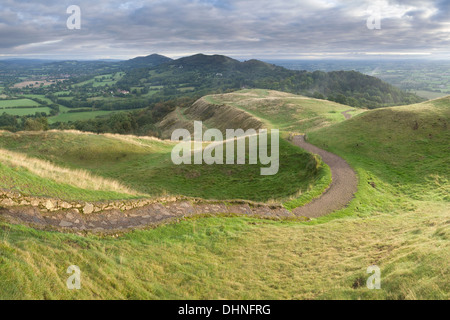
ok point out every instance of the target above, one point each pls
(205, 74)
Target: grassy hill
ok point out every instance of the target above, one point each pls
(402, 149)
(145, 166)
(145, 62)
(202, 74)
(258, 108)
(399, 220)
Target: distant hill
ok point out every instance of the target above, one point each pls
(145, 62)
(202, 74)
(84, 67)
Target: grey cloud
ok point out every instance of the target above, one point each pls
(254, 27)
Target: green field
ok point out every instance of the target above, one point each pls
(428, 94)
(38, 96)
(236, 258)
(403, 149)
(22, 180)
(63, 116)
(18, 103)
(399, 220)
(25, 111)
(102, 80)
(74, 116)
(15, 106)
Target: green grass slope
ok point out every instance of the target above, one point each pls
(401, 154)
(399, 220)
(258, 108)
(145, 165)
(20, 179)
(239, 258)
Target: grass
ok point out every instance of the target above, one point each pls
(22, 180)
(285, 111)
(25, 111)
(38, 96)
(239, 258)
(399, 220)
(74, 116)
(428, 94)
(404, 150)
(101, 81)
(148, 168)
(18, 103)
(47, 171)
(16, 106)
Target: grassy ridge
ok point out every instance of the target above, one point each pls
(148, 168)
(403, 151)
(399, 220)
(287, 112)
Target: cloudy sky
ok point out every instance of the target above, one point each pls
(265, 29)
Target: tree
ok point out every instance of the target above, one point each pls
(37, 124)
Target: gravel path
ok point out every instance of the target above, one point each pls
(341, 190)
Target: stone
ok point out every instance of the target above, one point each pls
(88, 208)
(65, 224)
(49, 205)
(65, 205)
(8, 202)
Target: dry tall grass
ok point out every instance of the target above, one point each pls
(78, 178)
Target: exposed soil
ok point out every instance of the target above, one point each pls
(346, 114)
(341, 190)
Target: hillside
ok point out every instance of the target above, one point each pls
(257, 109)
(145, 62)
(90, 95)
(101, 67)
(397, 151)
(399, 220)
(144, 166)
(403, 150)
(201, 74)
(221, 117)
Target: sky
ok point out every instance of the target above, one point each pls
(263, 29)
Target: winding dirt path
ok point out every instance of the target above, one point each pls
(344, 183)
(340, 192)
(346, 114)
